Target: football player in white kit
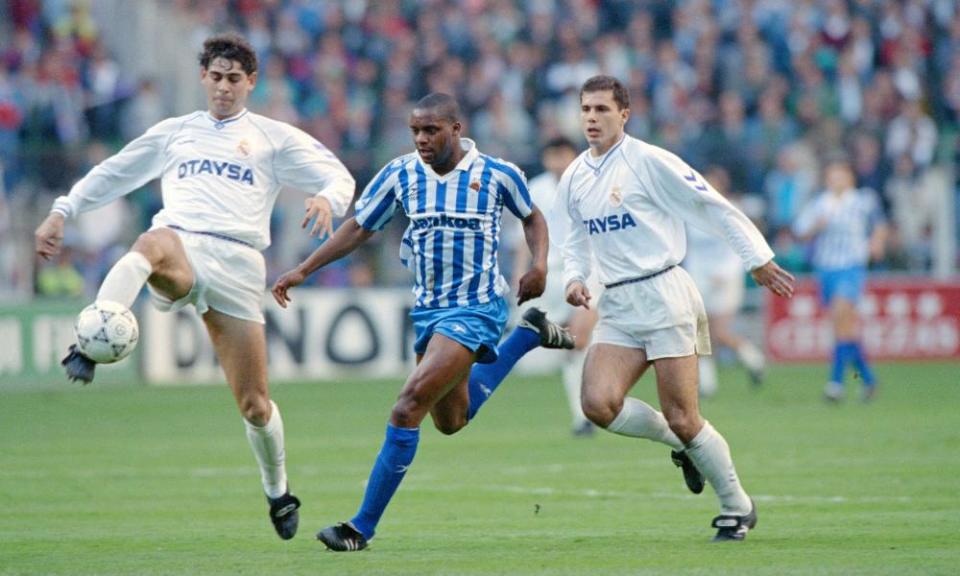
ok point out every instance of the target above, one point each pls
(556, 155)
(221, 170)
(627, 202)
(718, 274)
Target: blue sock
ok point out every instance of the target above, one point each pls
(484, 378)
(842, 353)
(860, 363)
(399, 448)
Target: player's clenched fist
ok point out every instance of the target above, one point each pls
(578, 295)
(288, 280)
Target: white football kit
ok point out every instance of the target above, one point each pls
(716, 270)
(543, 192)
(627, 209)
(220, 179)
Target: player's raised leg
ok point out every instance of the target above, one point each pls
(241, 348)
(444, 365)
(158, 257)
(677, 388)
(609, 374)
(534, 330)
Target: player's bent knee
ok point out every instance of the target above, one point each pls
(684, 423)
(601, 411)
(255, 410)
(409, 411)
(450, 425)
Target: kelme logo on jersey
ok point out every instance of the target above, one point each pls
(446, 221)
(610, 223)
(227, 170)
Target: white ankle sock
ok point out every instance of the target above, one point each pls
(708, 376)
(572, 375)
(267, 444)
(639, 420)
(711, 454)
(126, 279)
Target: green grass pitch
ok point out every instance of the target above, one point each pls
(139, 480)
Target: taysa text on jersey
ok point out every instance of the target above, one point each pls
(610, 223)
(213, 167)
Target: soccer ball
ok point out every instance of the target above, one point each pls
(106, 332)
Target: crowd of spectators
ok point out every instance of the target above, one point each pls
(764, 88)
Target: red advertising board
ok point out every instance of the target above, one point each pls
(902, 319)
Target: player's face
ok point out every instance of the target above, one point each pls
(839, 177)
(602, 120)
(436, 138)
(227, 86)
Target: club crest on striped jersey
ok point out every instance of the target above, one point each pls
(475, 185)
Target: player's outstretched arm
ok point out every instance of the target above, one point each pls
(49, 236)
(533, 283)
(774, 278)
(344, 241)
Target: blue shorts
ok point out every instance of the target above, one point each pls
(478, 328)
(846, 283)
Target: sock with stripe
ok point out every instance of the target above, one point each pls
(484, 378)
(396, 455)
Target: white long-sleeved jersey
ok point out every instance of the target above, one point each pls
(628, 209)
(219, 176)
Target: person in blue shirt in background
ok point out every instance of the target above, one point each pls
(849, 230)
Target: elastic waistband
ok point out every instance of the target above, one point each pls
(216, 235)
(639, 278)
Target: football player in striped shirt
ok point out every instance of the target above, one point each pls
(849, 229)
(221, 170)
(454, 197)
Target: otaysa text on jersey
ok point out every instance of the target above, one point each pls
(223, 169)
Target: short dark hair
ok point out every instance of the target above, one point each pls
(603, 83)
(230, 46)
(560, 142)
(444, 105)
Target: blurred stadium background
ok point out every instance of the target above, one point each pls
(765, 88)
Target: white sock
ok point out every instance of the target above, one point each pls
(708, 376)
(639, 420)
(267, 444)
(572, 375)
(126, 279)
(711, 454)
(750, 356)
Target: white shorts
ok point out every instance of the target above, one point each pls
(227, 276)
(722, 290)
(664, 315)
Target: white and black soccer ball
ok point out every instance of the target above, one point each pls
(106, 332)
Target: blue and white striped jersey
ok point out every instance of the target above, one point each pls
(850, 218)
(453, 237)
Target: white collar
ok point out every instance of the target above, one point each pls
(471, 154)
